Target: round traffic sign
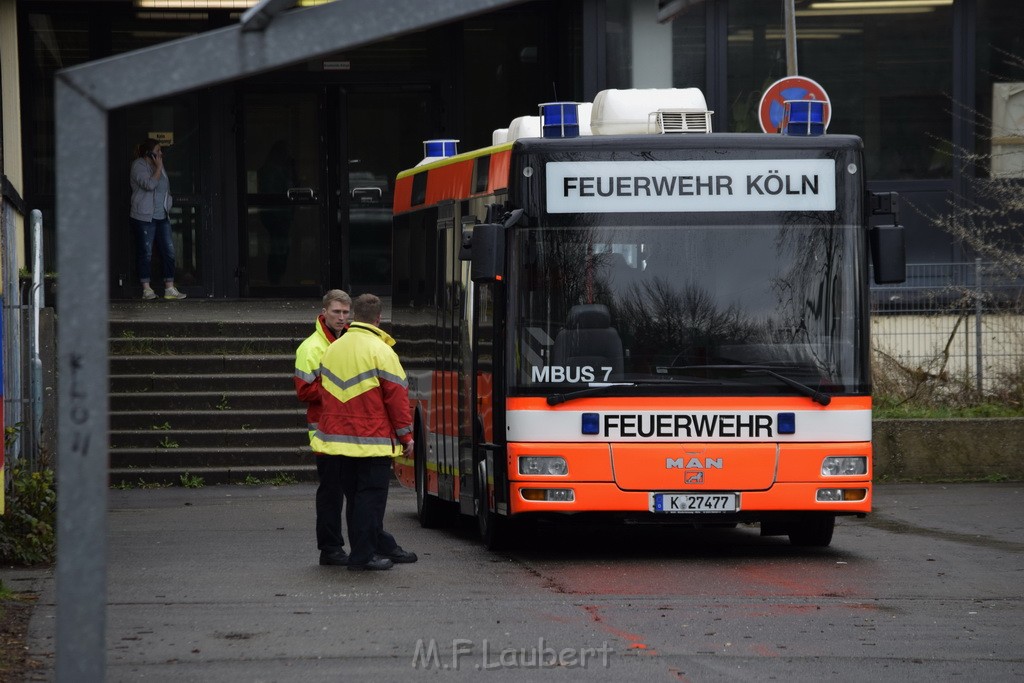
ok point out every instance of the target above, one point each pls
(771, 109)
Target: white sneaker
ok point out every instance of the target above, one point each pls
(148, 294)
(172, 293)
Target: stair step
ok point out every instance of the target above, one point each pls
(129, 329)
(149, 346)
(200, 382)
(205, 438)
(294, 419)
(204, 400)
(253, 456)
(134, 477)
(203, 363)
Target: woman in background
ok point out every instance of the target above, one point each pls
(150, 219)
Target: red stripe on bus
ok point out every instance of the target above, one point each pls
(695, 403)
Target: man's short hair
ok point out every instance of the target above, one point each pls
(366, 308)
(337, 295)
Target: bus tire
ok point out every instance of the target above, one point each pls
(430, 509)
(813, 531)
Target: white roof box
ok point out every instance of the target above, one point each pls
(635, 111)
(585, 110)
(524, 127)
(499, 136)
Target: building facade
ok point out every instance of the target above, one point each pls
(282, 182)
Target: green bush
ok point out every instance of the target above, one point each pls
(27, 527)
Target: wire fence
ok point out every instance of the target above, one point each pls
(952, 327)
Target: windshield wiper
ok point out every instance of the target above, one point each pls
(555, 399)
(815, 395)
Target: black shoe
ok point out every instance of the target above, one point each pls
(337, 558)
(376, 564)
(399, 556)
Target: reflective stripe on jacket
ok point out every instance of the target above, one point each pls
(364, 396)
(307, 371)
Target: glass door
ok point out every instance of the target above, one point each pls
(285, 199)
(384, 133)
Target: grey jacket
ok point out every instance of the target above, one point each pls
(144, 191)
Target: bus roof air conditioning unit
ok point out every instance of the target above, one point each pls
(679, 121)
(524, 127)
(629, 112)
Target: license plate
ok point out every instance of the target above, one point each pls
(692, 503)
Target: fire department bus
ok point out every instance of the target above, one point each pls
(637, 326)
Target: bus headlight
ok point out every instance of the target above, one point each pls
(543, 465)
(842, 465)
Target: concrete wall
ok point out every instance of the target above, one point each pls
(955, 449)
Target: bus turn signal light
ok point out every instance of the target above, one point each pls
(841, 495)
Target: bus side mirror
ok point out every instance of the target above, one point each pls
(888, 246)
(487, 246)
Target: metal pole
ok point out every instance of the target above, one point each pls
(83, 369)
(38, 302)
(789, 13)
(977, 326)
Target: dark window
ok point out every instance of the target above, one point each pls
(481, 169)
(419, 189)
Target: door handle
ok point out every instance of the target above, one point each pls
(297, 193)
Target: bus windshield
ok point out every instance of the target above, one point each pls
(719, 309)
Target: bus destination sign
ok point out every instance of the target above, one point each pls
(690, 186)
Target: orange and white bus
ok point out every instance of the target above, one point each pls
(641, 326)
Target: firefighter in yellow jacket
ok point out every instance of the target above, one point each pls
(366, 420)
(330, 325)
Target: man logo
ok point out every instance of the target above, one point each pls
(693, 477)
(694, 463)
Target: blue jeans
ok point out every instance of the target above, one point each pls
(159, 229)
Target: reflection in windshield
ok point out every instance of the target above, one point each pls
(634, 304)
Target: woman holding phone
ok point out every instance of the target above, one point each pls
(150, 217)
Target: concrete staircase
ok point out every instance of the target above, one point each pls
(206, 398)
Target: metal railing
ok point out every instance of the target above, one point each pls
(958, 325)
(23, 366)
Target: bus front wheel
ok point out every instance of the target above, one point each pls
(813, 531)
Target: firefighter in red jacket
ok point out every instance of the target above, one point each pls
(365, 419)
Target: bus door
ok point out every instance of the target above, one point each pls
(445, 385)
(488, 451)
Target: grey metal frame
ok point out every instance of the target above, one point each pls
(84, 96)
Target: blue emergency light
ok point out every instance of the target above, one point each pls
(440, 149)
(591, 423)
(560, 120)
(786, 423)
(804, 117)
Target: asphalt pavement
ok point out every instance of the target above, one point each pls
(198, 578)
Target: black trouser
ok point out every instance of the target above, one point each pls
(365, 483)
(329, 499)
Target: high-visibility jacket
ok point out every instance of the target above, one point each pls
(307, 371)
(364, 396)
